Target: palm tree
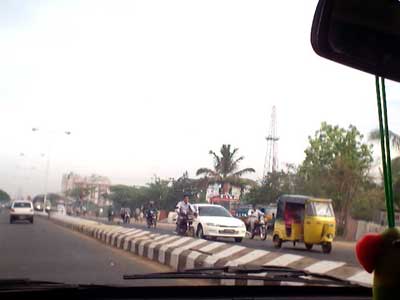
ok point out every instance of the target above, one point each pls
(395, 163)
(375, 135)
(226, 170)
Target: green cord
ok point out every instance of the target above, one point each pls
(385, 148)
(391, 219)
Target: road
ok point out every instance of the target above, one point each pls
(342, 251)
(46, 251)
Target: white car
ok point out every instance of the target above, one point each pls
(215, 221)
(21, 210)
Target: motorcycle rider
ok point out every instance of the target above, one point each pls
(254, 215)
(125, 215)
(151, 210)
(183, 207)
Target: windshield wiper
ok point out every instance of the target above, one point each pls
(272, 274)
(26, 283)
(7, 284)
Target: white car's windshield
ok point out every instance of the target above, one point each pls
(213, 211)
(22, 205)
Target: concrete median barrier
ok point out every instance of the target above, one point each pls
(186, 252)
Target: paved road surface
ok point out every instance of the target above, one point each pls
(342, 251)
(45, 251)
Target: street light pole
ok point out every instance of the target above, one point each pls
(46, 180)
(47, 167)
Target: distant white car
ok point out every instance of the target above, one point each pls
(21, 210)
(215, 221)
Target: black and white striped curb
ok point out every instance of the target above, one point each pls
(185, 252)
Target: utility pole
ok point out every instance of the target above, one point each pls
(50, 140)
(271, 163)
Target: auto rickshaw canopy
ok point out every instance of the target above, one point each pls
(300, 200)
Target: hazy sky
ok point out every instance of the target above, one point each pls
(149, 87)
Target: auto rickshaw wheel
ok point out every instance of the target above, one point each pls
(277, 241)
(309, 246)
(327, 248)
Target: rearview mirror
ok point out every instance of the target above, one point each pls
(362, 34)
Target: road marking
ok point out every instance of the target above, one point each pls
(245, 259)
(158, 238)
(292, 283)
(114, 236)
(284, 260)
(362, 277)
(119, 239)
(191, 258)
(211, 246)
(161, 237)
(106, 235)
(212, 259)
(324, 266)
(131, 231)
(177, 251)
(227, 282)
(134, 240)
(257, 282)
(163, 249)
(129, 237)
(141, 245)
(151, 246)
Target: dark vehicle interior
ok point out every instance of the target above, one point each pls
(364, 35)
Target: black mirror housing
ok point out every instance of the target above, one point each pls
(361, 34)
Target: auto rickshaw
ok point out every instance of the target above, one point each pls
(304, 219)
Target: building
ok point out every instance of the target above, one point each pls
(92, 188)
(229, 191)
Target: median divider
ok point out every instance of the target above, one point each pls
(182, 253)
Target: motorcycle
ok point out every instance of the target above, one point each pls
(151, 219)
(259, 229)
(127, 218)
(185, 224)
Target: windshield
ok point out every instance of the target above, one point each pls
(22, 205)
(213, 211)
(320, 209)
(110, 107)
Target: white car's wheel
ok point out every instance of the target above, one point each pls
(200, 232)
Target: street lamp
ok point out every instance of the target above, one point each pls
(34, 129)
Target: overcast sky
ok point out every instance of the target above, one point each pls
(149, 87)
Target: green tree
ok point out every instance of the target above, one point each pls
(336, 166)
(226, 169)
(4, 197)
(369, 201)
(127, 196)
(273, 185)
(396, 180)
